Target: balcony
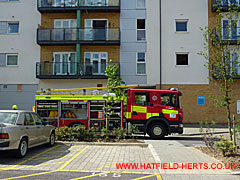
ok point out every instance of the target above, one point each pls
(229, 36)
(233, 70)
(224, 5)
(66, 6)
(71, 36)
(71, 70)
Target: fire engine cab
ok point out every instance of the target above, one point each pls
(154, 112)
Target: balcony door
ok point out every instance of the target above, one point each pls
(64, 63)
(96, 29)
(64, 29)
(230, 31)
(95, 63)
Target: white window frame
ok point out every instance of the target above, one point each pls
(140, 30)
(9, 54)
(182, 53)
(8, 1)
(181, 20)
(91, 59)
(140, 7)
(13, 22)
(141, 63)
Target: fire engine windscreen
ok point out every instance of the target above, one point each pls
(169, 100)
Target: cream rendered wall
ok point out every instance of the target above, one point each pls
(153, 42)
(196, 11)
(23, 43)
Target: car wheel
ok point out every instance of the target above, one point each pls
(23, 148)
(51, 139)
(157, 131)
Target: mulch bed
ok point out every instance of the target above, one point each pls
(234, 158)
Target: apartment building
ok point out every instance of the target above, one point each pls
(78, 38)
(133, 49)
(177, 63)
(19, 53)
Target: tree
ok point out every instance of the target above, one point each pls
(222, 58)
(114, 80)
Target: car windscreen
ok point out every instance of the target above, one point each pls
(8, 117)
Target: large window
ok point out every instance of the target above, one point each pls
(181, 25)
(141, 31)
(95, 63)
(141, 63)
(141, 4)
(8, 59)
(9, 27)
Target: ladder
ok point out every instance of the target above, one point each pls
(75, 91)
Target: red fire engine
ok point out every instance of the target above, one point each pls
(154, 112)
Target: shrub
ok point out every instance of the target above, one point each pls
(225, 145)
(120, 133)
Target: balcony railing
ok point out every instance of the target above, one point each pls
(228, 36)
(73, 5)
(233, 70)
(60, 36)
(224, 5)
(71, 70)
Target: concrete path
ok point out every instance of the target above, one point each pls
(172, 152)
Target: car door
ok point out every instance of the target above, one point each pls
(43, 131)
(30, 129)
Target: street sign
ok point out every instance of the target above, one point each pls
(201, 100)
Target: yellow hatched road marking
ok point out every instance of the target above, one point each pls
(144, 177)
(159, 177)
(84, 177)
(37, 174)
(29, 159)
(51, 157)
(39, 165)
(74, 157)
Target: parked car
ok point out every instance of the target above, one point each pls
(21, 130)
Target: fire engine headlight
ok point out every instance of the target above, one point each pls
(181, 125)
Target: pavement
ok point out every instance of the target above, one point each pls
(94, 161)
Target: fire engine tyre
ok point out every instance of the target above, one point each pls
(22, 149)
(157, 130)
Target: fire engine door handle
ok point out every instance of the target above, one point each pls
(135, 113)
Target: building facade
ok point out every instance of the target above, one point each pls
(19, 53)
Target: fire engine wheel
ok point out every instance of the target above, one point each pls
(157, 131)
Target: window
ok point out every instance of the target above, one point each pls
(141, 63)
(142, 98)
(140, 4)
(182, 59)
(141, 31)
(168, 100)
(12, 60)
(9, 27)
(28, 120)
(8, 59)
(181, 26)
(38, 120)
(95, 63)
(9, 0)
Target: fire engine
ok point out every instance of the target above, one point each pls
(154, 112)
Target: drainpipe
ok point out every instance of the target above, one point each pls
(160, 23)
(78, 46)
